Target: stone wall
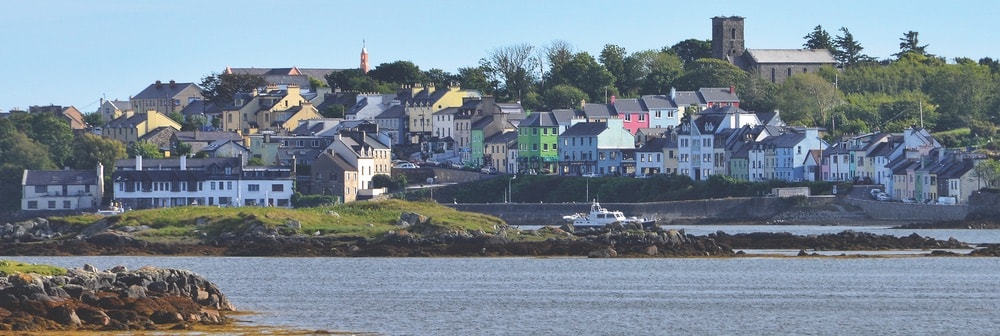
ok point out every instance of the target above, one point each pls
(910, 212)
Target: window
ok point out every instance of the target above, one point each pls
(253, 187)
(642, 117)
(40, 189)
(32, 204)
(534, 147)
(534, 131)
(545, 147)
(277, 187)
(66, 204)
(658, 114)
(52, 204)
(212, 185)
(229, 185)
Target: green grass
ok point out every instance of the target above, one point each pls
(8, 267)
(365, 219)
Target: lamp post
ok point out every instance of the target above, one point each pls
(510, 194)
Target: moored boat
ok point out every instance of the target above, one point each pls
(600, 216)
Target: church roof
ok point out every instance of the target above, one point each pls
(791, 56)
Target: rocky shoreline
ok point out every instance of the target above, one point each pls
(419, 238)
(114, 300)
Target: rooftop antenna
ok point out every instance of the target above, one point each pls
(920, 107)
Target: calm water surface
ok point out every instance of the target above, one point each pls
(575, 296)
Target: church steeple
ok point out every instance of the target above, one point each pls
(364, 56)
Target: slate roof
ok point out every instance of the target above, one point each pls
(658, 102)
(159, 136)
(125, 121)
(200, 106)
(718, 95)
(447, 111)
(565, 116)
(586, 129)
(175, 164)
(597, 111)
(206, 136)
(741, 150)
(540, 119)
(394, 112)
(654, 145)
(505, 137)
(806, 56)
(121, 105)
(164, 90)
(219, 143)
(628, 105)
(59, 177)
(686, 98)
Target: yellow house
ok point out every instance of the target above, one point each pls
(129, 127)
(421, 103)
(274, 109)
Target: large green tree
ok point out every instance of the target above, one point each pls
(398, 72)
(17, 153)
(477, 78)
(963, 92)
(806, 99)
(818, 38)
(583, 72)
(613, 58)
(653, 71)
(513, 66)
(847, 50)
(48, 130)
(563, 96)
(354, 80)
(691, 50)
(910, 44)
(710, 72)
(221, 88)
(89, 149)
(145, 149)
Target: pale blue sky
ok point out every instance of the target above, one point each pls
(69, 52)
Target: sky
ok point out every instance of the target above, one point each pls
(73, 53)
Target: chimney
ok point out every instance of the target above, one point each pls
(673, 93)
(159, 84)
(138, 162)
(732, 89)
(172, 83)
(184, 162)
(612, 99)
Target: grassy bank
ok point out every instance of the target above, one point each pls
(358, 219)
(8, 267)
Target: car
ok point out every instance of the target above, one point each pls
(641, 175)
(591, 175)
(405, 165)
(875, 192)
(882, 197)
(488, 170)
(457, 165)
(432, 162)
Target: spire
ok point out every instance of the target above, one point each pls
(364, 56)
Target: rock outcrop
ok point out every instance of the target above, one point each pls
(116, 299)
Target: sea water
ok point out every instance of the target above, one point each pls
(579, 296)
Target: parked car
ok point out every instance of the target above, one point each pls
(488, 170)
(882, 197)
(875, 192)
(432, 163)
(641, 175)
(405, 165)
(457, 165)
(591, 175)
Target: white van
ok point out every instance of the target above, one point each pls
(947, 200)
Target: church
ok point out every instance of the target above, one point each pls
(774, 65)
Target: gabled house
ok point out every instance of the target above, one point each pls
(420, 103)
(369, 105)
(634, 115)
(595, 148)
(301, 77)
(361, 153)
(697, 142)
(62, 190)
(202, 108)
(199, 140)
(663, 112)
(651, 157)
(112, 109)
(537, 140)
(165, 97)
(162, 183)
(226, 149)
(128, 128)
(496, 153)
(275, 109)
(393, 122)
(332, 174)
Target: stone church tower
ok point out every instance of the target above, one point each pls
(727, 38)
(364, 57)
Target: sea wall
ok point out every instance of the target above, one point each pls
(910, 212)
(746, 208)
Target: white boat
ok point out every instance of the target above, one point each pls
(600, 216)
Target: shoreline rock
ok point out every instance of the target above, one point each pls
(116, 299)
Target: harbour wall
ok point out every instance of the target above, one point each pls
(895, 211)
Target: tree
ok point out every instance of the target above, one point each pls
(563, 96)
(806, 99)
(818, 39)
(511, 66)
(398, 72)
(654, 72)
(333, 111)
(961, 92)
(356, 81)
(989, 172)
(477, 78)
(691, 50)
(17, 153)
(255, 161)
(222, 88)
(710, 72)
(94, 119)
(847, 51)
(440, 78)
(195, 122)
(145, 149)
(176, 116)
(583, 72)
(910, 44)
(48, 130)
(613, 59)
(90, 149)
